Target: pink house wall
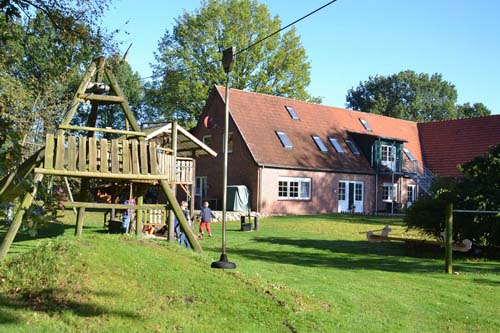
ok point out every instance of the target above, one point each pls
(324, 191)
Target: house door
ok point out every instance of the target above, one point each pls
(350, 195)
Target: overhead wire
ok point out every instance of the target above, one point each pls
(242, 50)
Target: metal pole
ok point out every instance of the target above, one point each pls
(224, 170)
(227, 61)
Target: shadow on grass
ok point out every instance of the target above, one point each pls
(354, 255)
(53, 302)
(346, 218)
(24, 241)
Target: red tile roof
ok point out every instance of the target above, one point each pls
(449, 143)
(259, 116)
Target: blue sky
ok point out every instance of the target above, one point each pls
(352, 39)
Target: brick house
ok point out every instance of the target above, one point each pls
(300, 157)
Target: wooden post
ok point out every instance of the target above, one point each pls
(176, 209)
(193, 192)
(18, 218)
(70, 195)
(79, 222)
(448, 238)
(138, 216)
(173, 168)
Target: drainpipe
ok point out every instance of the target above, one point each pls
(376, 192)
(259, 188)
(393, 193)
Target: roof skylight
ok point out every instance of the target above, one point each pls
(320, 144)
(336, 145)
(352, 147)
(292, 113)
(284, 139)
(408, 154)
(365, 124)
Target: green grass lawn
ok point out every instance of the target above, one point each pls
(296, 274)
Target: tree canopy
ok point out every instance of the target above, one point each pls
(412, 96)
(188, 59)
(43, 53)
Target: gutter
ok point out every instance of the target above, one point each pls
(279, 166)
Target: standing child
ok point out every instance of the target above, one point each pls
(205, 216)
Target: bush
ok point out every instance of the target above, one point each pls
(478, 190)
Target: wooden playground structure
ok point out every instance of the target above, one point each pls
(136, 157)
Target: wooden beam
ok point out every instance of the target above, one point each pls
(103, 130)
(100, 175)
(18, 218)
(105, 99)
(180, 216)
(81, 89)
(99, 205)
(117, 90)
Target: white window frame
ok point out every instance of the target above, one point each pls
(229, 143)
(342, 190)
(413, 190)
(205, 138)
(199, 180)
(294, 185)
(390, 153)
(389, 186)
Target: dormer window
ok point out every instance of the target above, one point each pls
(320, 144)
(408, 154)
(292, 113)
(365, 124)
(352, 146)
(336, 145)
(284, 140)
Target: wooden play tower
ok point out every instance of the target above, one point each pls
(131, 158)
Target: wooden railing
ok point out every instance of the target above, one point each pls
(113, 159)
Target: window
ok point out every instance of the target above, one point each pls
(201, 187)
(292, 113)
(336, 145)
(389, 192)
(207, 139)
(408, 154)
(294, 188)
(342, 187)
(284, 140)
(358, 191)
(387, 153)
(229, 143)
(320, 144)
(352, 147)
(365, 124)
(411, 193)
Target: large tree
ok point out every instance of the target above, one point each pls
(412, 96)
(188, 62)
(42, 55)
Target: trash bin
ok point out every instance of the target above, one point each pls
(256, 223)
(244, 225)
